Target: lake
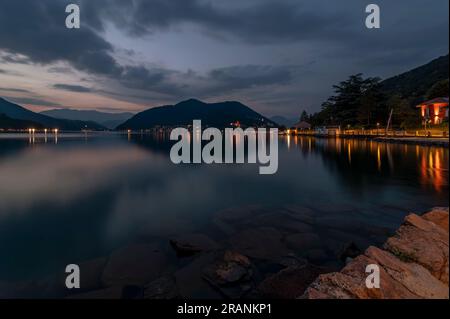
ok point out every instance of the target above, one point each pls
(82, 196)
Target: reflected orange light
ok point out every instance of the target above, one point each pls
(379, 158)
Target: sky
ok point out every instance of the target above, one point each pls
(279, 57)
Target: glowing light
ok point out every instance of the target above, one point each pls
(379, 158)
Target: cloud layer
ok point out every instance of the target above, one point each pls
(298, 48)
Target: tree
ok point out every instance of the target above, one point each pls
(304, 117)
(439, 89)
(356, 102)
(404, 115)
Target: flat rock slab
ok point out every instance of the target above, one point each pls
(289, 283)
(261, 243)
(414, 265)
(191, 244)
(438, 216)
(424, 243)
(303, 241)
(136, 264)
(282, 221)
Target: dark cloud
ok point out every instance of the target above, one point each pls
(72, 88)
(139, 77)
(57, 69)
(247, 76)
(8, 72)
(331, 32)
(259, 22)
(14, 90)
(14, 58)
(37, 30)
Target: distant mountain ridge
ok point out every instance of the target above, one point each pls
(212, 114)
(281, 120)
(13, 124)
(17, 112)
(109, 120)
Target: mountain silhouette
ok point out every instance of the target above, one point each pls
(109, 120)
(219, 115)
(17, 112)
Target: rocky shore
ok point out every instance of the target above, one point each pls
(259, 252)
(413, 264)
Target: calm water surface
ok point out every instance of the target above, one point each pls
(82, 196)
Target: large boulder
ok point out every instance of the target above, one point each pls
(398, 280)
(438, 216)
(414, 265)
(421, 241)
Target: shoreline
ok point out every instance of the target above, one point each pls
(422, 141)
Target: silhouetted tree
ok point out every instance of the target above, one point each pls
(439, 89)
(304, 117)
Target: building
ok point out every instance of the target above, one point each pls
(435, 110)
(328, 130)
(302, 126)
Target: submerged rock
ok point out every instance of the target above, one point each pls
(349, 250)
(136, 264)
(300, 213)
(190, 280)
(303, 241)
(230, 220)
(161, 288)
(191, 244)
(281, 221)
(289, 283)
(261, 243)
(231, 274)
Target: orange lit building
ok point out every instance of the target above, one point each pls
(434, 111)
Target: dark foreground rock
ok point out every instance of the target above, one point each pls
(191, 244)
(136, 264)
(289, 283)
(231, 274)
(413, 264)
(161, 288)
(260, 243)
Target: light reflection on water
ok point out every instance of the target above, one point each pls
(89, 193)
